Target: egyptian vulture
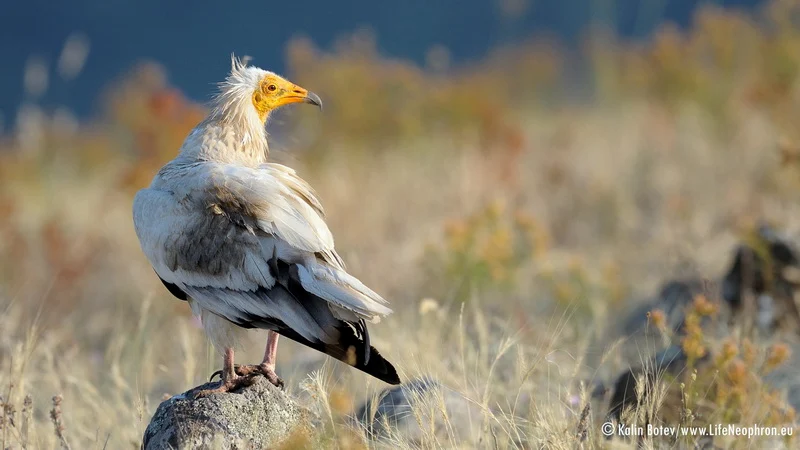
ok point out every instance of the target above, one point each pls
(244, 240)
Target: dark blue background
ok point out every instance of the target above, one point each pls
(194, 39)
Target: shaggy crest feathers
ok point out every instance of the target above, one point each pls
(233, 100)
(232, 107)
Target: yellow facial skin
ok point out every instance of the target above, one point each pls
(275, 92)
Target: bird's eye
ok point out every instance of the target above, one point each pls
(272, 87)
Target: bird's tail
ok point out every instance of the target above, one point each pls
(302, 316)
(353, 350)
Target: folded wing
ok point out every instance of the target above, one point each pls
(252, 246)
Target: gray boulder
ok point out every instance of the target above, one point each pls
(255, 417)
(422, 412)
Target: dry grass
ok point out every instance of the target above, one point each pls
(507, 253)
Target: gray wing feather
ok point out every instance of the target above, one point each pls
(232, 238)
(268, 309)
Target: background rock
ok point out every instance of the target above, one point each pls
(422, 411)
(258, 416)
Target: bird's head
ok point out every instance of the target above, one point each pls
(260, 91)
(273, 91)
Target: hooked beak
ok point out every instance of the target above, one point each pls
(300, 95)
(313, 99)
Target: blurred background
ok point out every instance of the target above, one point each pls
(39, 36)
(530, 167)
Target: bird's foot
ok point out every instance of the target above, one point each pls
(240, 370)
(267, 370)
(228, 385)
(252, 370)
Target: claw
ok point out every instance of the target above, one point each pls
(236, 369)
(215, 374)
(226, 386)
(247, 372)
(275, 380)
(260, 369)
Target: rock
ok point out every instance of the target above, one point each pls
(763, 268)
(255, 417)
(672, 299)
(403, 411)
(671, 360)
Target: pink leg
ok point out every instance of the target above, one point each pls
(227, 365)
(230, 380)
(271, 353)
(267, 366)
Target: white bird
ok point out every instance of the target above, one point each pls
(244, 240)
